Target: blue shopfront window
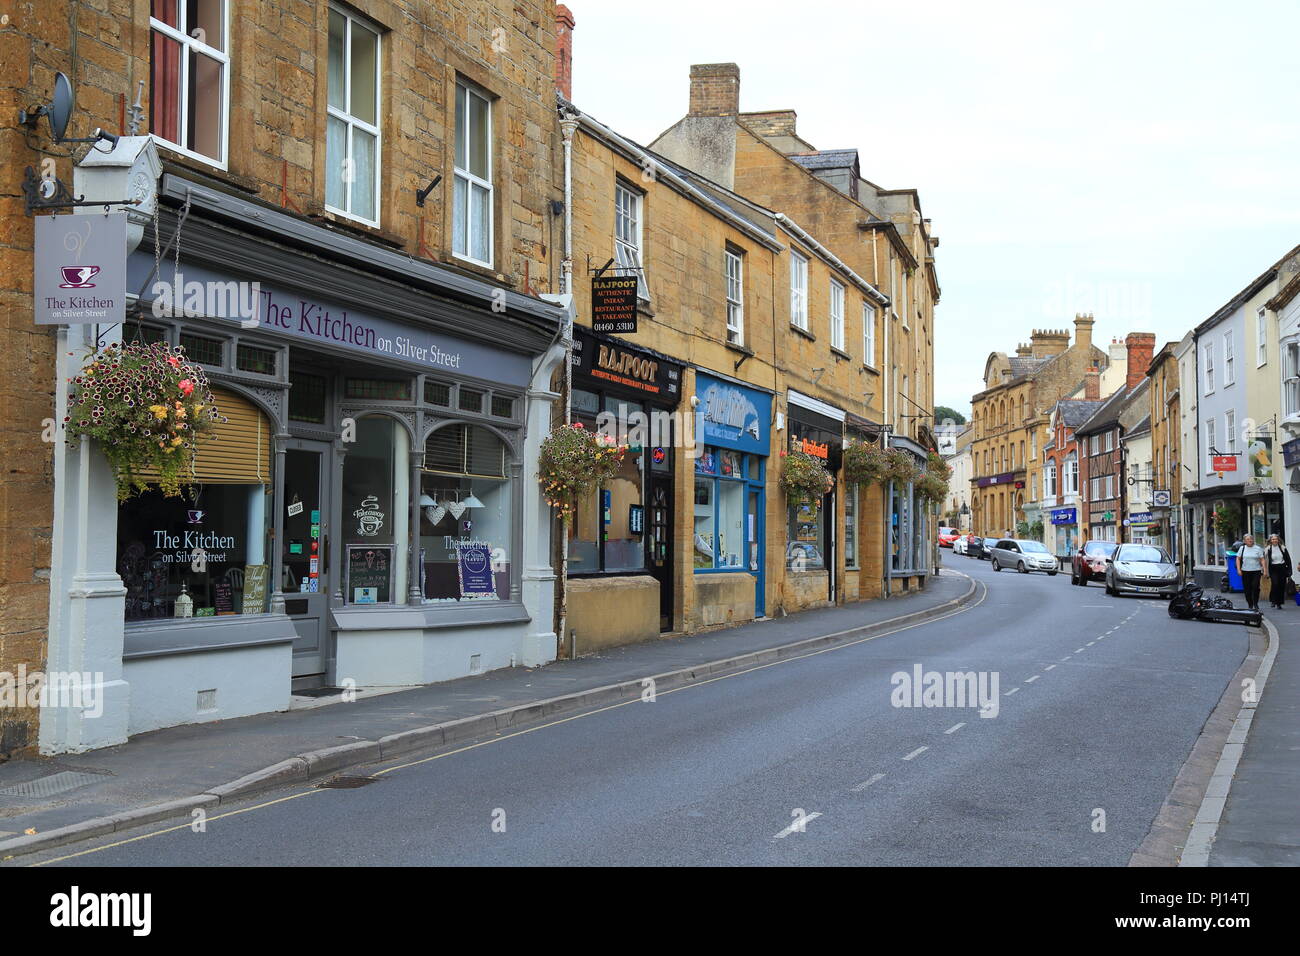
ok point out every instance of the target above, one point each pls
(726, 529)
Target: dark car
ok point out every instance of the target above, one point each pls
(1141, 569)
(975, 547)
(1089, 562)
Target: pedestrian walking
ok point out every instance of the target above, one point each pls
(1279, 570)
(1250, 565)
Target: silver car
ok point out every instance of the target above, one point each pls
(1141, 569)
(1024, 556)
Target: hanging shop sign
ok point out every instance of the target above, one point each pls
(732, 416)
(1260, 454)
(304, 318)
(80, 269)
(1291, 453)
(613, 304)
(609, 362)
(1161, 498)
(1223, 463)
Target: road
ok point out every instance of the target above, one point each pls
(803, 762)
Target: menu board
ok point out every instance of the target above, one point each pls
(474, 564)
(370, 574)
(255, 577)
(223, 596)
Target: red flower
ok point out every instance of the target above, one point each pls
(186, 386)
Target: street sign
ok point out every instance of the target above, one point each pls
(613, 304)
(1161, 498)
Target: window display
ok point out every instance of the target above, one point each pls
(724, 535)
(466, 515)
(376, 496)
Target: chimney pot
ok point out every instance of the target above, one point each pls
(564, 24)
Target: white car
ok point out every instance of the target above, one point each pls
(959, 546)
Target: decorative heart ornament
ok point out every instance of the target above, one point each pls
(455, 509)
(435, 513)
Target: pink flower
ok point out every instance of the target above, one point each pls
(186, 386)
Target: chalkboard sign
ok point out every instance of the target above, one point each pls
(223, 596)
(255, 576)
(370, 574)
(474, 564)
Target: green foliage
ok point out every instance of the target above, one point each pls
(943, 413)
(1227, 521)
(804, 478)
(574, 462)
(148, 408)
(864, 463)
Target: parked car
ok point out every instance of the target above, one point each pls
(1141, 569)
(947, 536)
(1089, 562)
(975, 546)
(1023, 555)
(959, 546)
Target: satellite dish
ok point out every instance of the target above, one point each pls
(61, 108)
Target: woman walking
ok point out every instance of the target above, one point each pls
(1250, 565)
(1278, 562)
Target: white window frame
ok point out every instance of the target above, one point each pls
(1211, 441)
(1229, 361)
(629, 235)
(836, 313)
(187, 43)
(1049, 481)
(468, 89)
(1072, 476)
(1207, 383)
(869, 334)
(735, 269)
(1261, 337)
(1230, 430)
(798, 291)
(1291, 378)
(350, 121)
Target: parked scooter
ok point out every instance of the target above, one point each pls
(1191, 603)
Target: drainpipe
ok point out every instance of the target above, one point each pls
(568, 126)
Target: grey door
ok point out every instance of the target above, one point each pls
(305, 550)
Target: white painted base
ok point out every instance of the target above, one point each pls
(165, 690)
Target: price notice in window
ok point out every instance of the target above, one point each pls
(613, 303)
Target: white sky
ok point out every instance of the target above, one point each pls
(1134, 159)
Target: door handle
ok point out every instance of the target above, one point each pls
(325, 546)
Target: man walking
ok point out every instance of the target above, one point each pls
(1250, 565)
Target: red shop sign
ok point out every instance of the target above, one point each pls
(1224, 462)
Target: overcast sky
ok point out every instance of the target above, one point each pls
(1134, 159)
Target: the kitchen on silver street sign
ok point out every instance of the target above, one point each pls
(80, 269)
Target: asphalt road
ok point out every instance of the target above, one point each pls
(804, 762)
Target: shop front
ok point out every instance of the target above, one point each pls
(909, 523)
(811, 551)
(621, 537)
(1064, 530)
(729, 513)
(367, 515)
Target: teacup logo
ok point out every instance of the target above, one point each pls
(369, 518)
(78, 277)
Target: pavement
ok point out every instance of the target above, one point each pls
(1260, 821)
(800, 758)
(169, 772)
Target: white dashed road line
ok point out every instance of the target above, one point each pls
(954, 728)
(1032, 679)
(797, 826)
(1049, 667)
(1078, 650)
(1014, 690)
(874, 778)
(916, 753)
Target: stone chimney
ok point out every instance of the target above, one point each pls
(564, 24)
(715, 89)
(1023, 350)
(1048, 342)
(1141, 347)
(1092, 385)
(1083, 323)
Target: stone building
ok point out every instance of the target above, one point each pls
(1166, 453)
(870, 373)
(1061, 468)
(378, 179)
(1010, 419)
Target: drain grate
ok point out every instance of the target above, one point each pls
(345, 783)
(52, 785)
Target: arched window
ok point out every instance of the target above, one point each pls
(467, 499)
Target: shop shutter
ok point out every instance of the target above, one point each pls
(239, 450)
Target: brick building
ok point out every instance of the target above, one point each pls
(1061, 469)
(1166, 454)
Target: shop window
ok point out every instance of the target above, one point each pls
(851, 529)
(307, 397)
(379, 389)
(466, 516)
(470, 400)
(189, 96)
(201, 349)
(437, 393)
(472, 192)
(376, 512)
(249, 358)
(503, 406)
(722, 532)
(352, 137)
(211, 545)
(607, 531)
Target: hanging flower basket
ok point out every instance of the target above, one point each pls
(147, 407)
(899, 467)
(805, 479)
(1227, 521)
(575, 461)
(865, 463)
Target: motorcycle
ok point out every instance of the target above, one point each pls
(1190, 603)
